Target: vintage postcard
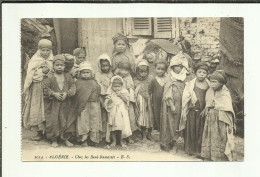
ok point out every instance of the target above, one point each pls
(132, 89)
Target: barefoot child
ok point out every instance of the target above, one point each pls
(38, 68)
(217, 139)
(143, 101)
(58, 89)
(116, 104)
(123, 53)
(87, 104)
(193, 102)
(156, 90)
(103, 78)
(171, 103)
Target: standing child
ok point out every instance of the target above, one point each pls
(103, 78)
(38, 68)
(58, 89)
(143, 101)
(193, 102)
(87, 104)
(171, 103)
(217, 139)
(123, 53)
(117, 103)
(79, 57)
(156, 90)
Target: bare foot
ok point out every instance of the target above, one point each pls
(113, 144)
(131, 141)
(69, 144)
(122, 143)
(54, 144)
(85, 144)
(149, 137)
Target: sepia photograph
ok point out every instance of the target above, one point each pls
(132, 89)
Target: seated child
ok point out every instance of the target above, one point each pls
(143, 107)
(156, 90)
(217, 138)
(116, 104)
(103, 78)
(59, 87)
(87, 106)
(38, 68)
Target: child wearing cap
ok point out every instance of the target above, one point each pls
(193, 102)
(217, 138)
(59, 87)
(116, 104)
(38, 68)
(143, 106)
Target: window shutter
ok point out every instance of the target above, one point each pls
(164, 27)
(141, 26)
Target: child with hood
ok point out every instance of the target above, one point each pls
(38, 68)
(103, 78)
(217, 138)
(171, 103)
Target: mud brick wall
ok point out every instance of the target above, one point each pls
(203, 35)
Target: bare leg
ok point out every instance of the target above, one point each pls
(122, 142)
(149, 135)
(113, 134)
(143, 129)
(68, 143)
(54, 143)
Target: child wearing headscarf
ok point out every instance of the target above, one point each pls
(193, 103)
(103, 78)
(87, 106)
(79, 57)
(124, 70)
(156, 90)
(122, 52)
(143, 107)
(217, 139)
(59, 87)
(117, 104)
(38, 68)
(171, 103)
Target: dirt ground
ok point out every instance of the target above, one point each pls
(147, 150)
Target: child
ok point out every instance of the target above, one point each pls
(143, 101)
(217, 139)
(87, 104)
(171, 103)
(123, 71)
(69, 62)
(122, 52)
(116, 104)
(103, 78)
(156, 90)
(193, 102)
(58, 89)
(80, 56)
(38, 68)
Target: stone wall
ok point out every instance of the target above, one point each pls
(203, 35)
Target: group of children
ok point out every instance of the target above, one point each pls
(65, 101)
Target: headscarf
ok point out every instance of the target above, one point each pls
(78, 51)
(120, 36)
(109, 90)
(86, 65)
(220, 76)
(142, 62)
(59, 57)
(45, 43)
(104, 56)
(179, 59)
(201, 65)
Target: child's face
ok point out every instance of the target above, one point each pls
(86, 74)
(143, 71)
(177, 68)
(160, 69)
(45, 52)
(123, 72)
(215, 84)
(80, 58)
(201, 74)
(105, 66)
(120, 46)
(116, 87)
(150, 57)
(59, 66)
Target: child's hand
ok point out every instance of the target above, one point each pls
(173, 109)
(58, 96)
(63, 96)
(230, 129)
(45, 70)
